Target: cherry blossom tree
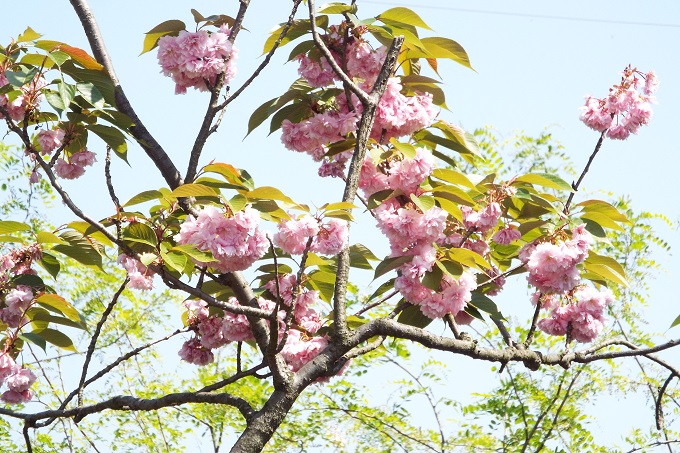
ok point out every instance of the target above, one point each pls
(253, 268)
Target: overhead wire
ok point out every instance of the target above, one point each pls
(527, 15)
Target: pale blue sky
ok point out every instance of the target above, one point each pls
(535, 61)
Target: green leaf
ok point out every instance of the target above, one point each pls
(408, 150)
(424, 202)
(463, 142)
(433, 278)
(602, 220)
(389, 264)
(468, 258)
(229, 172)
(113, 137)
(57, 302)
(169, 27)
(91, 94)
(58, 339)
(594, 258)
(297, 29)
(265, 110)
(28, 35)
(175, 261)
(98, 78)
(191, 251)
(453, 177)
(337, 8)
(454, 194)
(485, 304)
(603, 208)
(45, 237)
(29, 280)
(193, 190)
(35, 339)
(359, 257)
(66, 92)
(412, 316)
(545, 180)
(10, 226)
(140, 232)
(46, 317)
(143, 197)
(295, 113)
(339, 205)
(438, 47)
(269, 193)
(50, 264)
(676, 322)
(607, 273)
(79, 248)
(403, 15)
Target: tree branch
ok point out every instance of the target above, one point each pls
(93, 341)
(148, 143)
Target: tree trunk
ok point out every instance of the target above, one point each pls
(265, 422)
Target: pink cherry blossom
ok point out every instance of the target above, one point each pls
(192, 58)
(7, 366)
(14, 397)
(293, 234)
(625, 109)
(193, 352)
(21, 380)
(140, 276)
(299, 349)
(49, 140)
(317, 72)
(408, 174)
(332, 237)
(75, 168)
(482, 220)
(211, 333)
(506, 236)
(235, 241)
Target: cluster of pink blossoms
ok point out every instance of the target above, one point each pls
(192, 58)
(19, 261)
(552, 267)
(582, 317)
(329, 239)
(75, 167)
(141, 277)
(31, 95)
(18, 380)
(235, 241)
(216, 331)
(17, 301)
(626, 108)
(577, 311)
(413, 232)
(397, 114)
(49, 140)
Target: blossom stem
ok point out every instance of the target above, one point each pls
(576, 185)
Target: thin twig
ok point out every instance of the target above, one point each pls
(95, 336)
(576, 185)
(376, 303)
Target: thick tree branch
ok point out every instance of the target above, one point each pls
(213, 105)
(341, 332)
(148, 143)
